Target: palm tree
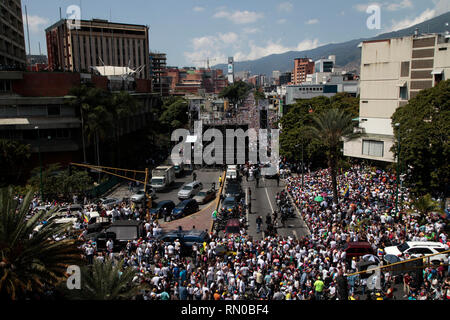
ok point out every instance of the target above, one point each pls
(331, 128)
(425, 205)
(122, 105)
(107, 281)
(31, 261)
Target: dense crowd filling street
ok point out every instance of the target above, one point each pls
(319, 266)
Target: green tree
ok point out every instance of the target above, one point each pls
(107, 281)
(331, 128)
(424, 129)
(259, 95)
(57, 182)
(30, 264)
(236, 93)
(14, 156)
(425, 205)
(122, 106)
(175, 114)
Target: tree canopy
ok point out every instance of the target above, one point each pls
(236, 93)
(424, 129)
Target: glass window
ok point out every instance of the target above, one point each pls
(404, 93)
(373, 148)
(54, 110)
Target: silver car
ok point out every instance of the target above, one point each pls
(139, 196)
(190, 190)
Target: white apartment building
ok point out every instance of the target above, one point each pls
(392, 72)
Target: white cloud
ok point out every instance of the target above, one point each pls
(198, 9)
(251, 30)
(363, 7)
(406, 23)
(228, 38)
(271, 47)
(312, 21)
(239, 17)
(398, 6)
(281, 21)
(36, 23)
(285, 6)
(440, 7)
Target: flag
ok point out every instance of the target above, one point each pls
(85, 218)
(346, 192)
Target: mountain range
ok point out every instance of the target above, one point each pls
(348, 54)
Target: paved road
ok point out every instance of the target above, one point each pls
(206, 176)
(263, 203)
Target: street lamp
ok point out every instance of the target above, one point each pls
(40, 161)
(398, 169)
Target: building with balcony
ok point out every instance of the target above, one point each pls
(392, 72)
(302, 68)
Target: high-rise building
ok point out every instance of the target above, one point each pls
(285, 78)
(302, 67)
(392, 72)
(325, 65)
(12, 41)
(96, 43)
(158, 63)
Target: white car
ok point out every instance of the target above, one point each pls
(190, 190)
(109, 202)
(139, 196)
(416, 249)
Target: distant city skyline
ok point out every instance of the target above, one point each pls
(191, 31)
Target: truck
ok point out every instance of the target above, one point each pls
(162, 177)
(120, 232)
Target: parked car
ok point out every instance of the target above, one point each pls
(358, 249)
(72, 208)
(138, 197)
(184, 208)
(229, 203)
(186, 238)
(109, 202)
(415, 249)
(158, 209)
(205, 196)
(190, 190)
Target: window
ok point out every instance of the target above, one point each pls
(404, 93)
(54, 110)
(373, 148)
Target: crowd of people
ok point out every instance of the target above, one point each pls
(314, 267)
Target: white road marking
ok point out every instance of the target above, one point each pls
(268, 198)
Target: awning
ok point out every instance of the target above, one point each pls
(401, 83)
(437, 71)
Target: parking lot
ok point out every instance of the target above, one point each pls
(206, 176)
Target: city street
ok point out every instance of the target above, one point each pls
(263, 203)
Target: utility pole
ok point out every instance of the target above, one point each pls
(398, 170)
(40, 163)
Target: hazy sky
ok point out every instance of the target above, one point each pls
(192, 30)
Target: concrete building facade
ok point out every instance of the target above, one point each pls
(12, 41)
(392, 72)
(302, 68)
(96, 43)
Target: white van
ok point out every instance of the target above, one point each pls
(231, 172)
